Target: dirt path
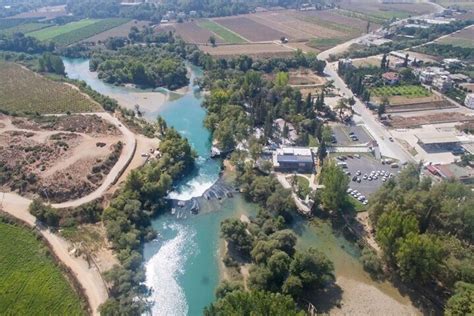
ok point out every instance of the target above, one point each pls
(127, 155)
(89, 278)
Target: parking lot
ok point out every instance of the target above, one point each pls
(369, 168)
(342, 133)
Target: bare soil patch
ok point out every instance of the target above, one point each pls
(261, 50)
(61, 159)
(417, 121)
(190, 32)
(250, 29)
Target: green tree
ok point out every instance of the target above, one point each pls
(212, 40)
(335, 184)
(226, 287)
(293, 286)
(234, 231)
(281, 79)
(392, 227)
(462, 301)
(313, 268)
(418, 257)
(253, 303)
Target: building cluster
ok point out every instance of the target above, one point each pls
(440, 78)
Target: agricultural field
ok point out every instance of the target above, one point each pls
(73, 32)
(249, 29)
(51, 32)
(9, 23)
(407, 91)
(260, 50)
(32, 284)
(23, 91)
(464, 4)
(220, 31)
(119, 31)
(24, 28)
(378, 12)
(463, 38)
(190, 32)
(311, 31)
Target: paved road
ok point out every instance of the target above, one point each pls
(364, 115)
(89, 278)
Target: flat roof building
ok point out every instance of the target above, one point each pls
(293, 159)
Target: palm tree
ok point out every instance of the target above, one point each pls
(341, 106)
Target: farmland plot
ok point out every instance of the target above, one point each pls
(260, 50)
(118, 31)
(87, 31)
(32, 284)
(378, 12)
(463, 38)
(225, 34)
(53, 31)
(190, 32)
(250, 29)
(22, 90)
(24, 28)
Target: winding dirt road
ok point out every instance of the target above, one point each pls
(88, 276)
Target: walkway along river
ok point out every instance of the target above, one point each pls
(182, 264)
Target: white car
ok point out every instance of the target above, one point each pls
(369, 178)
(384, 179)
(365, 202)
(360, 198)
(349, 190)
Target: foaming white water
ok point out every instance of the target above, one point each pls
(163, 270)
(197, 185)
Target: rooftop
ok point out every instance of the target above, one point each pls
(294, 151)
(390, 75)
(436, 137)
(455, 171)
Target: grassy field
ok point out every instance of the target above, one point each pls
(31, 283)
(409, 91)
(87, 31)
(53, 31)
(324, 43)
(222, 32)
(24, 28)
(9, 23)
(459, 42)
(23, 91)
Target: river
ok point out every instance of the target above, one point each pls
(182, 264)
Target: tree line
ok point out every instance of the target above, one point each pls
(269, 246)
(426, 232)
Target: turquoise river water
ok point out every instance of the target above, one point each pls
(182, 264)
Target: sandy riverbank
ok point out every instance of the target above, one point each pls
(361, 299)
(147, 101)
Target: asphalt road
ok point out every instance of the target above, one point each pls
(364, 115)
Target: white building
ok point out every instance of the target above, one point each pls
(469, 101)
(442, 83)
